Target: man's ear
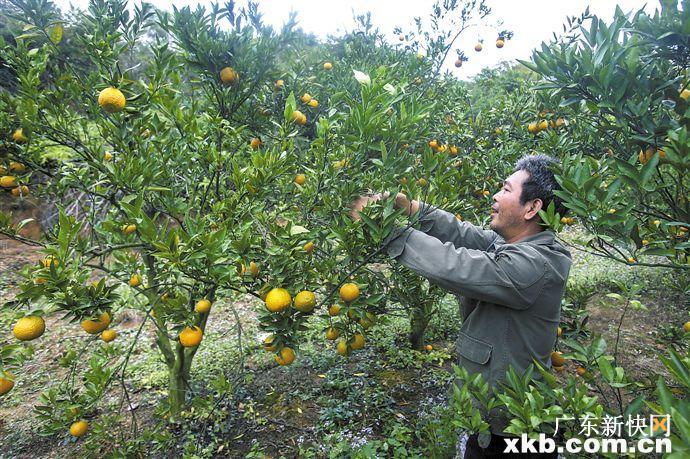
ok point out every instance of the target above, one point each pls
(534, 208)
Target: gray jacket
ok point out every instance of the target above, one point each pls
(512, 292)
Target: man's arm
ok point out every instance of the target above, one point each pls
(513, 277)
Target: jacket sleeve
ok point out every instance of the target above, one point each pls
(512, 277)
(446, 228)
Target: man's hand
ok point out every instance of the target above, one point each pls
(401, 202)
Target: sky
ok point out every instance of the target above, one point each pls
(531, 22)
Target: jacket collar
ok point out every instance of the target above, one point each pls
(545, 237)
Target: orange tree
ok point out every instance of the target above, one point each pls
(222, 166)
(627, 85)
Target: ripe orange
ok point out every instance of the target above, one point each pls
(20, 191)
(190, 337)
(685, 94)
(135, 280)
(334, 310)
(500, 43)
(313, 103)
(112, 100)
(478, 47)
(557, 359)
(686, 326)
(79, 428)
(48, 261)
(308, 247)
(332, 333)
(129, 229)
(228, 75)
(349, 292)
(6, 382)
(269, 343)
(306, 97)
(428, 347)
(581, 371)
(343, 349)
(202, 306)
(8, 181)
(327, 66)
(305, 301)
(532, 128)
(107, 156)
(433, 144)
(285, 357)
(300, 179)
(279, 85)
(93, 327)
(255, 143)
(29, 327)
(299, 117)
(543, 125)
(278, 299)
(458, 63)
(559, 332)
(17, 167)
(422, 182)
(357, 341)
(253, 269)
(108, 335)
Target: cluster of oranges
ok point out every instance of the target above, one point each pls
(442, 148)
(279, 300)
(538, 126)
(645, 155)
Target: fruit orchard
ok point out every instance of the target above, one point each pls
(181, 269)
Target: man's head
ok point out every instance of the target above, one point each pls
(528, 189)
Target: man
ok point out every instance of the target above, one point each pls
(512, 278)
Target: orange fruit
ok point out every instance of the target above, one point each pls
(135, 280)
(18, 136)
(6, 382)
(559, 332)
(327, 66)
(93, 327)
(458, 63)
(269, 343)
(332, 333)
(532, 128)
(20, 191)
(349, 292)
(343, 349)
(308, 247)
(108, 335)
(111, 100)
(306, 97)
(8, 181)
(557, 359)
(300, 179)
(255, 143)
(478, 47)
(429, 347)
(581, 371)
(357, 341)
(422, 182)
(500, 43)
(278, 299)
(79, 428)
(17, 167)
(107, 156)
(686, 326)
(129, 229)
(334, 310)
(305, 301)
(28, 328)
(313, 103)
(202, 306)
(543, 125)
(190, 337)
(228, 75)
(285, 357)
(279, 84)
(253, 268)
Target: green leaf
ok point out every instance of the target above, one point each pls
(56, 34)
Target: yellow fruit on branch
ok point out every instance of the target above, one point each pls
(686, 326)
(202, 306)
(255, 143)
(543, 125)
(313, 103)
(357, 341)
(269, 344)
(349, 292)
(135, 280)
(305, 301)
(93, 327)
(327, 66)
(559, 332)
(18, 136)
(685, 94)
(79, 428)
(422, 182)
(228, 75)
(111, 100)
(6, 382)
(343, 349)
(20, 191)
(500, 43)
(458, 63)
(190, 337)
(428, 347)
(17, 167)
(50, 261)
(107, 156)
(279, 85)
(29, 327)
(306, 97)
(8, 181)
(478, 47)
(278, 299)
(300, 179)
(332, 333)
(557, 359)
(129, 229)
(253, 269)
(581, 371)
(334, 310)
(299, 117)
(285, 357)
(108, 335)
(532, 128)
(308, 247)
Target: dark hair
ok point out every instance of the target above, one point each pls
(541, 182)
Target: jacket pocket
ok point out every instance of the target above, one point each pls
(474, 350)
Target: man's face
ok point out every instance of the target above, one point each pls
(508, 215)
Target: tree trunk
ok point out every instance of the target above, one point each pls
(177, 389)
(418, 323)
